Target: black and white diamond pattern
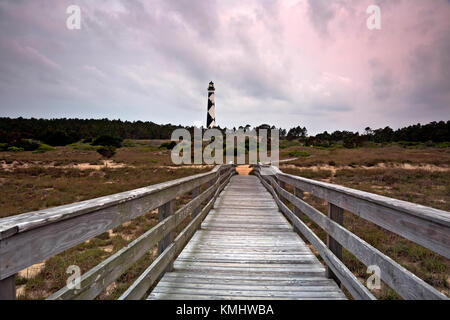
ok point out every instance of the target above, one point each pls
(211, 115)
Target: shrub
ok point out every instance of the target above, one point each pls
(83, 146)
(168, 145)
(106, 140)
(3, 146)
(128, 143)
(444, 144)
(26, 144)
(43, 148)
(107, 151)
(409, 143)
(59, 138)
(15, 149)
(298, 153)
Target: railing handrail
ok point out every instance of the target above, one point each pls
(32, 237)
(418, 210)
(33, 219)
(423, 225)
(403, 222)
(99, 277)
(400, 279)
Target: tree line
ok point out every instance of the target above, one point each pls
(21, 132)
(59, 132)
(433, 132)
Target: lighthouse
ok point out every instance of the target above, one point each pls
(211, 114)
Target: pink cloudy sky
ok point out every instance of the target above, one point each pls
(310, 63)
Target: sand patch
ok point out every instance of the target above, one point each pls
(20, 290)
(406, 166)
(243, 170)
(32, 271)
(110, 289)
(110, 164)
(107, 249)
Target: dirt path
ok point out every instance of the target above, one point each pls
(243, 170)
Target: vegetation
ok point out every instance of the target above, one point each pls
(107, 151)
(106, 140)
(168, 145)
(19, 133)
(46, 163)
(32, 181)
(298, 153)
(61, 132)
(396, 183)
(432, 133)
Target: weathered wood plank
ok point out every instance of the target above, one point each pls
(258, 278)
(252, 293)
(196, 193)
(336, 214)
(201, 296)
(8, 288)
(165, 211)
(245, 287)
(173, 277)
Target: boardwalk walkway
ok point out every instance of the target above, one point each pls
(246, 249)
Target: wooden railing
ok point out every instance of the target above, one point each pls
(32, 237)
(423, 225)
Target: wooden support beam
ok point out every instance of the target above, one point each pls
(195, 193)
(165, 211)
(283, 186)
(336, 214)
(299, 194)
(210, 184)
(8, 288)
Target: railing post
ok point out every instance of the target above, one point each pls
(8, 288)
(299, 194)
(336, 214)
(195, 194)
(165, 211)
(283, 186)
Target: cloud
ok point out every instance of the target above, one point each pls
(311, 63)
(320, 14)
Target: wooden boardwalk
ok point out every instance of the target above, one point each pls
(238, 243)
(246, 249)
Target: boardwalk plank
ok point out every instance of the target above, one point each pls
(246, 249)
